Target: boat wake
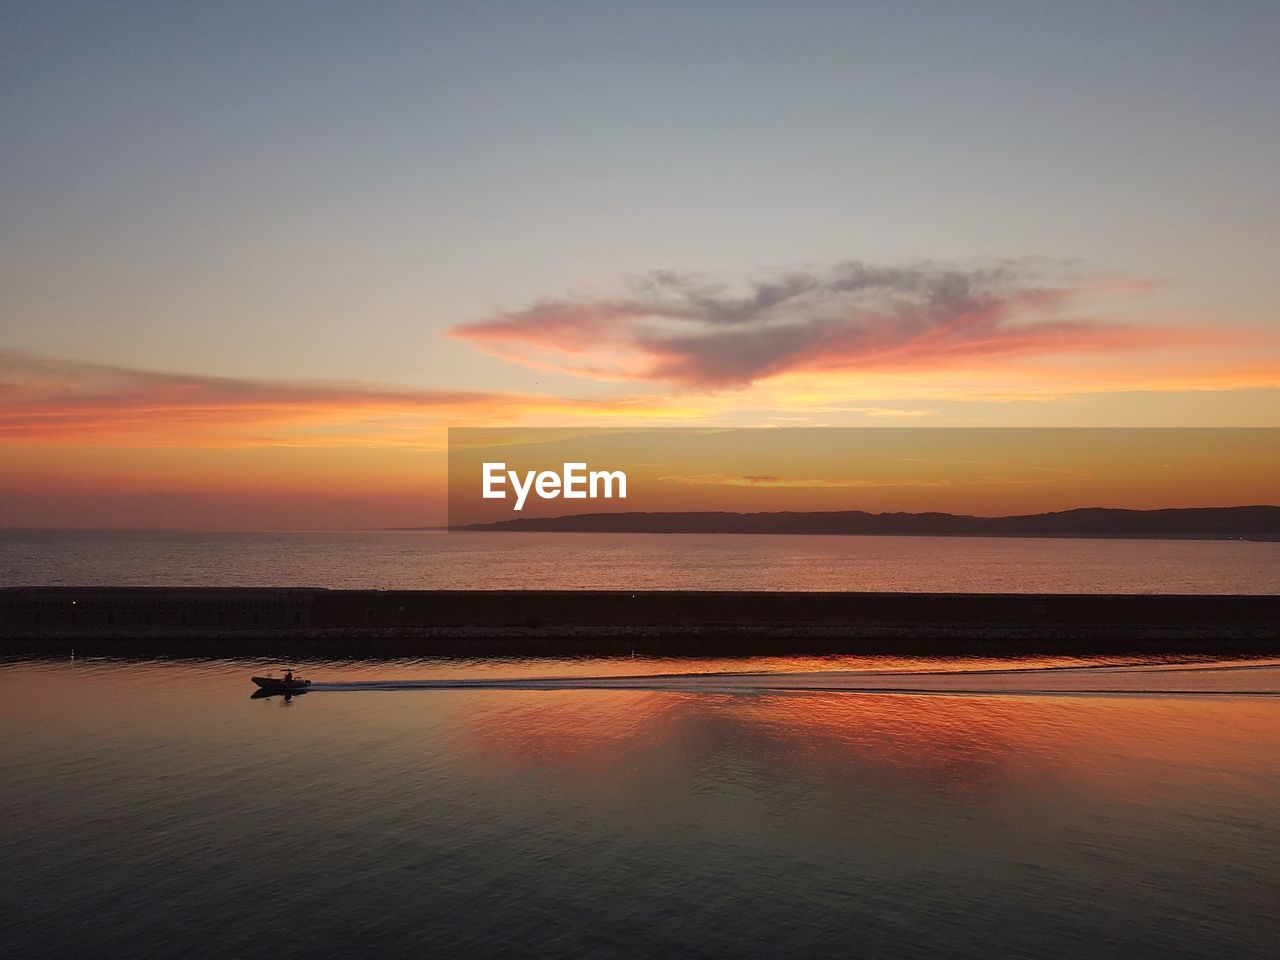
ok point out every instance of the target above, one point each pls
(1254, 679)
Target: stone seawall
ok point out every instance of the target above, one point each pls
(255, 621)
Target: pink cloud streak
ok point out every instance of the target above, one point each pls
(674, 329)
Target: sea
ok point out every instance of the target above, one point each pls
(633, 807)
(429, 560)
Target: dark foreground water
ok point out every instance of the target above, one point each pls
(1063, 810)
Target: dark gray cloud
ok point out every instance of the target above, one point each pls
(694, 331)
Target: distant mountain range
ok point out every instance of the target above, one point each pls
(1254, 523)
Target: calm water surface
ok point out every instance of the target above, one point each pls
(436, 560)
(154, 809)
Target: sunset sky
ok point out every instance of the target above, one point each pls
(255, 259)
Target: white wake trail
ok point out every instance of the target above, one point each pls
(1191, 679)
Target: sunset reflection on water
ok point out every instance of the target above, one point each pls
(587, 818)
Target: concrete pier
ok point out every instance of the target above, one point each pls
(301, 621)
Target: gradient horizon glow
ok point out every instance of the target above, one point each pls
(976, 471)
(255, 259)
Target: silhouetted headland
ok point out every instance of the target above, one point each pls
(1260, 522)
(154, 621)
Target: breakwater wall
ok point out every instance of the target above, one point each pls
(306, 621)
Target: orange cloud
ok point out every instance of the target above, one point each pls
(765, 481)
(45, 400)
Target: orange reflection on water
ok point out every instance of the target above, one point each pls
(955, 746)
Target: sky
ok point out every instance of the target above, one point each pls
(255, 259)
(971, 471)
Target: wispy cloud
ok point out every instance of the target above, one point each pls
(890, 413)
(762, 481)
(46, 399)
(686, 330)
(792, 483)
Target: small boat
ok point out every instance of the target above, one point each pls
(277, 685)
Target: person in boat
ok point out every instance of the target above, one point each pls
(288, 676)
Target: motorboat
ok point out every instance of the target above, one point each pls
(281, 684)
